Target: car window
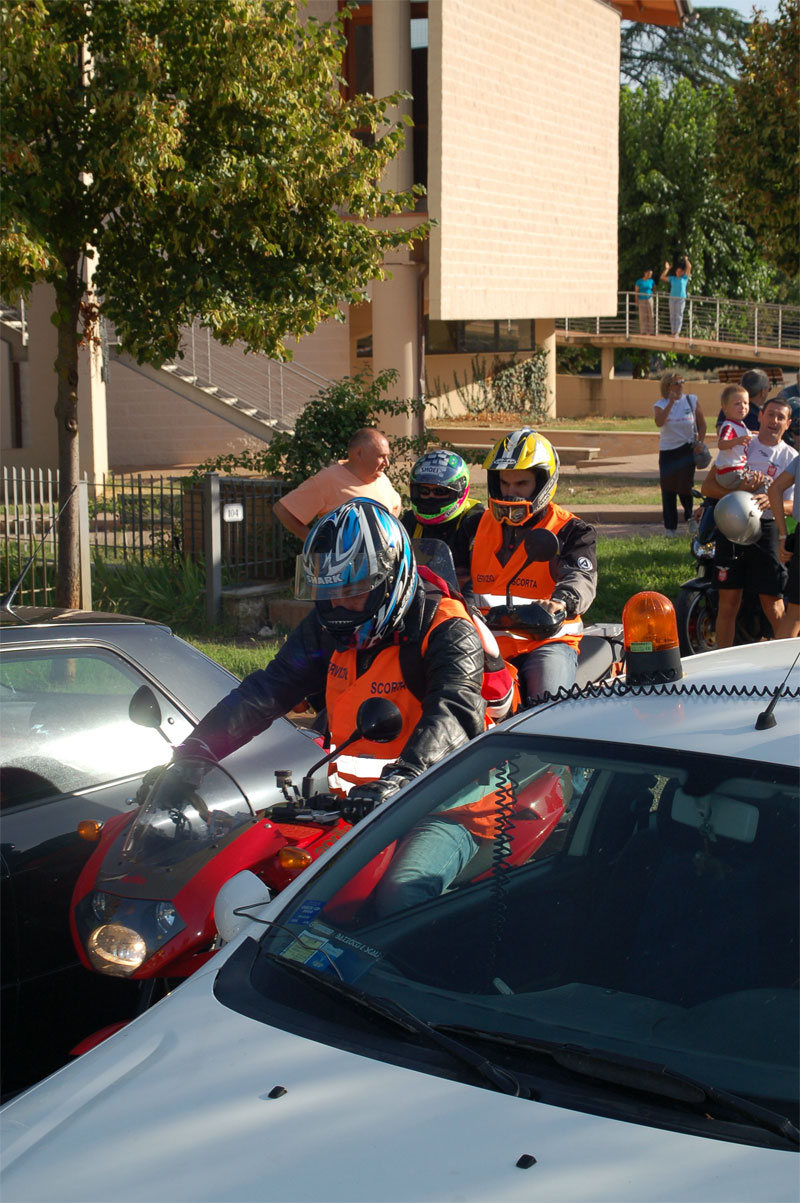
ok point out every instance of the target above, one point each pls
(66, 726)
(635, 900)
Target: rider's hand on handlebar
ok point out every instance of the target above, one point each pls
(363, 799)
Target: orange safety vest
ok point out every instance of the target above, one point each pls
(517, 582)
(345, 691)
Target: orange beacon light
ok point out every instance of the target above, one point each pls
(650, 633)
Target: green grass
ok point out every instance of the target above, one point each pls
(585, 424)
(625, 567)
(628, 566)
(237, 655)
(596, 490)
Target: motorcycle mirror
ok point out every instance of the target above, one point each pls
(379, 720)
(540, 545)
(144, 709)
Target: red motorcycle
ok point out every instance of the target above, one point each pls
(143, 906)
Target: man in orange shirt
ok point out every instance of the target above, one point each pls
(362, 474)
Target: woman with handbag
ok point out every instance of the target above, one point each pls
(682, 428)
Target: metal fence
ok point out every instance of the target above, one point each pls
(142, 519)
(711, 319)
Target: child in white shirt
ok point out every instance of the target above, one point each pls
(730, 468)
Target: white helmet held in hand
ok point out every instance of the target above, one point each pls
(739, 518)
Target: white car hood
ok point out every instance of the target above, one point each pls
(177, 1107)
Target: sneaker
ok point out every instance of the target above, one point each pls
(670, 534)
(692, 527)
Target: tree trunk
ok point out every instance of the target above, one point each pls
(68, 305)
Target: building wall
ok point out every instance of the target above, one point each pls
(523, 124)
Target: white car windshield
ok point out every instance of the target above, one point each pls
(636, 901)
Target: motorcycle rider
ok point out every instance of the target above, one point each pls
(530, 550)
(373, 615)
(441, 508)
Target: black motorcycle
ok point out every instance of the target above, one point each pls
(698, 601)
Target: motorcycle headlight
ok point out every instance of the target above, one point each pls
(166, 916)
(116, 950)
(104, 906)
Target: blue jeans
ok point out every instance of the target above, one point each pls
(429, 858)
(546, 669)
(676, 308)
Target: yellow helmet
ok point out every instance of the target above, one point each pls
(515, 452)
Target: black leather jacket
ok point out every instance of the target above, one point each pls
(452, 708)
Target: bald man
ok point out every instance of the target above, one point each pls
(362, 474)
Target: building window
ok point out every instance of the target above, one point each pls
(479, 337)
(359, 73)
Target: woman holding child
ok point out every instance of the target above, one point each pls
(681, 424)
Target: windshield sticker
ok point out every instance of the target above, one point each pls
(316, 950)
(306, 912)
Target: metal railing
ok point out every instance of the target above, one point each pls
(134, 518)
(707, 319)
(277, 391)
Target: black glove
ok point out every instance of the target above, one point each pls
(535, 617)
(363, 799)
(148, 781)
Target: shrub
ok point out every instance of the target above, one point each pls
(167, 591)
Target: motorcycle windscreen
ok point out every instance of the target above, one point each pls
(437, 556)
(194, 807)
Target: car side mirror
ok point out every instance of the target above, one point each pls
(144, 709)
(245, 893)
(379, 720)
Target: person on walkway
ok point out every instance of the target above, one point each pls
(756, 384)
(757, 565)
(681, 422)
(362, 474)
(678, 282)
(375, 630)
(441, 508)
(644, 300)
(528, 549)
(788, 545)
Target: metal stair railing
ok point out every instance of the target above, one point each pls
(267, 390)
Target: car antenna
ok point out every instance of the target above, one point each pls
(766, 718)
(7, 598)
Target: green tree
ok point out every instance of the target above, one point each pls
(758, 153)
(669, 200)
(704, 51)
(203, 155)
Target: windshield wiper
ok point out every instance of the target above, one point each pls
(500, 1079)
(621, 1070)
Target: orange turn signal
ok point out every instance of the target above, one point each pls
(294, 860)
(89, 829)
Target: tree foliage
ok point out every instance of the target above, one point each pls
(705, 51)
(669, 200)
(758, 153)
(204, 156)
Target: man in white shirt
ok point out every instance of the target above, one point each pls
(757, 565)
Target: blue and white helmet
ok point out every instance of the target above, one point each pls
(360, 550)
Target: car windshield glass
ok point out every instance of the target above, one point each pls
(637, 901)
(194, 806)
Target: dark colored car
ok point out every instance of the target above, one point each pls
(69, 753)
